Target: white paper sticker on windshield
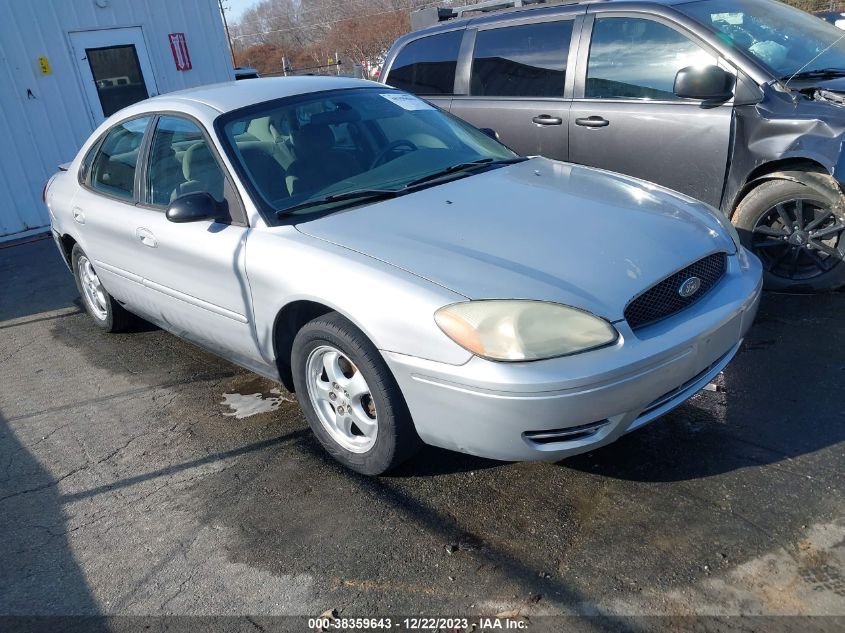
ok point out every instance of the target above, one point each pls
(407, 102)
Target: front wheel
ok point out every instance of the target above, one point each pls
(350, 398)
(797, 229)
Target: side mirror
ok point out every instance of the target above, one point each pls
(488, 131)
(193, 207)
(707, 83)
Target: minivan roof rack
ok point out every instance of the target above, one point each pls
(421, 18)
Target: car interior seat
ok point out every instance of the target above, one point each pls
(165, 174)
(317, 164)
(266, 172)
(200, 172)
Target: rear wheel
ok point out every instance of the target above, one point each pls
(101, 307)
(350, 398)
(797, 229)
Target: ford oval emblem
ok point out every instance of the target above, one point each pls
(689, 287)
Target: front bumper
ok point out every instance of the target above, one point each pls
(551, 409)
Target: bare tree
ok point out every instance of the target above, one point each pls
(312, 34)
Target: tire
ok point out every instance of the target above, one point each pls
(376, 433)
(809, 255)
(106, 313)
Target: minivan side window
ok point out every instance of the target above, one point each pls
(427, 66)
(113, 169)
(635, 58)
(521, 61)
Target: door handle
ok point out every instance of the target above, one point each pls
(147, 238)
(592, 121)
(546, 119)
(78, 215)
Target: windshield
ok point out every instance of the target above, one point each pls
(320, 146)
(785, 40)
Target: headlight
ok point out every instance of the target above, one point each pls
(514, 330)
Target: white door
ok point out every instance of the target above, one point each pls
(114, 67)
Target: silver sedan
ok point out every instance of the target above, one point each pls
(410, 278)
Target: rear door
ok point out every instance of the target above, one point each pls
(519, 85)
(104, 207)
(625, 116)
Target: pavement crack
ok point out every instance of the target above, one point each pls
(178, 591)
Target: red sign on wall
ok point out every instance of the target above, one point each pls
(180, 51)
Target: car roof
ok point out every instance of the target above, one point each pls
(231, 95)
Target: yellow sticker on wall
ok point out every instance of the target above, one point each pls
(44, 65)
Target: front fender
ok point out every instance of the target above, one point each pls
(394, 308)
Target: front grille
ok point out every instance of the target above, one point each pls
(664, 299)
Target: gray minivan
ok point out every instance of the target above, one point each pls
(738, 103)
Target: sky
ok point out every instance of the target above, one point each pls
(237, 8)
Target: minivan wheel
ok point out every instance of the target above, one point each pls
(350, 398)
(101, 307)
(797, 229)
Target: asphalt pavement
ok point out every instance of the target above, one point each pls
(140, 475)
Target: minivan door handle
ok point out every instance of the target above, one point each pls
(546, 119)
(78, 215)
(147, 238)
(592, 121)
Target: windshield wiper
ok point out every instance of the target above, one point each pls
(354, 195)
(819, 73)
(467, 166)
(380, 194)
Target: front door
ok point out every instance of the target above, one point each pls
(194, 271)
(114, 67)
(625, 116)
(518, 86)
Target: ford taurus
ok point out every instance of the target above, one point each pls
(410, 278)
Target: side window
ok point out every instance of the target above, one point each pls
(85, 167)
(427, 66)
(521, 61)
(634, 58)
(113, 169)
(181, 162)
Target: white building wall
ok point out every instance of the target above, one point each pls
(44, 119)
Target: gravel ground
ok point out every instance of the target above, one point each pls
(128, 486)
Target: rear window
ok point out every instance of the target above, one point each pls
(427, 66)
(521, 61)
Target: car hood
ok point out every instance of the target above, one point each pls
(539, 229)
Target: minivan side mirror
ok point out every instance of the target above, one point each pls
(193, 207)
(488, 131)
(707, 83)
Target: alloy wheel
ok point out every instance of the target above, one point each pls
(342, 399)
(799, 239)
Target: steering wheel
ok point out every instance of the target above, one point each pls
(382, 157)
